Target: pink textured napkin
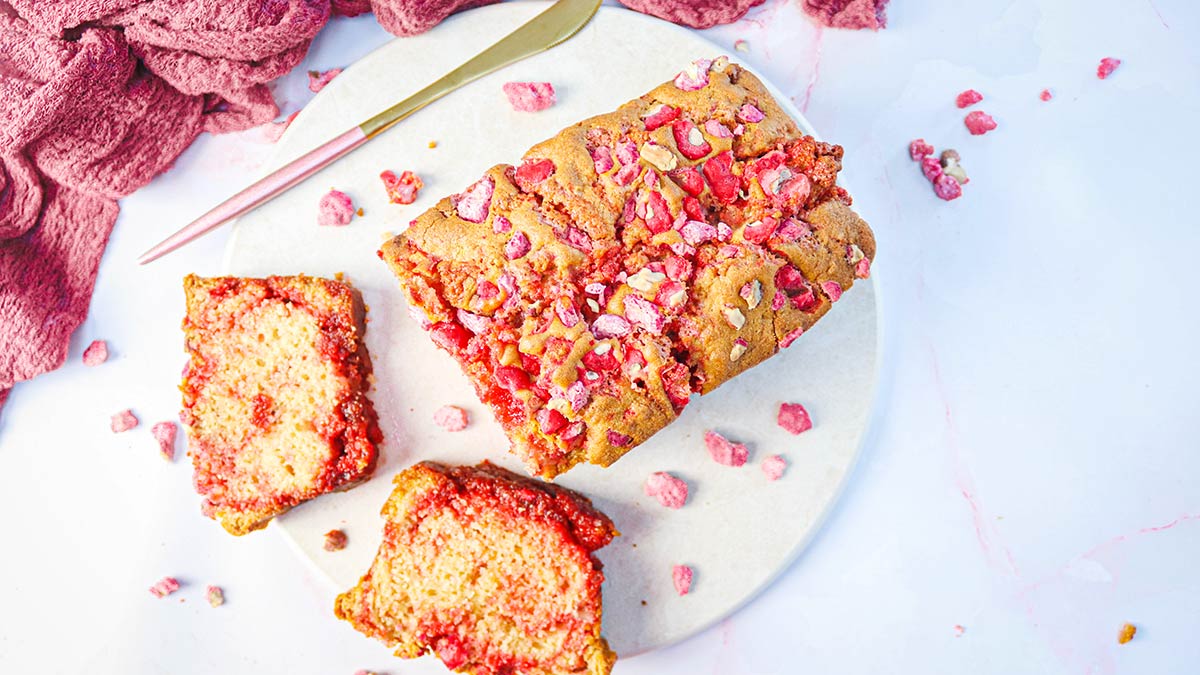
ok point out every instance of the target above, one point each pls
(99, 96)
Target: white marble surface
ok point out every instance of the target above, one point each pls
(1034, 475)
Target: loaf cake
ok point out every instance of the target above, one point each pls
(632, 260)
(274, 394)
(493, 573)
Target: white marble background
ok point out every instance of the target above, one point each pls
(1034, 476)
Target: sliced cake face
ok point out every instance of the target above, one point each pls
(274, 394)
(491, 572)
(632, 260)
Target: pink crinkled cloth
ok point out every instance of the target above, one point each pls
(97, 97)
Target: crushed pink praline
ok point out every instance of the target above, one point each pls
(773, 467)
(473, 204)
(530, 96)
(123, 421)
(164, 587)
(335, 208)
(968, 98)
(670, 491)
(215, 596)
(793, 418)
(96, 353)
(1107, 66)
(451, 418)
(945, 187)
(695, 76)
(919, 149)
(791, 337)
(724, 451)
(164, 433)
(681, 576)
(979, 122)
(517, 246)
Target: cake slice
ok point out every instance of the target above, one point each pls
(492, 572)
(274, 394)
(632, 260)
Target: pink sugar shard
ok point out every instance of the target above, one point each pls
(1045, 95)
(681, 576)
(791, 337)
(1107, 65)
(968, 98)
(530, 96)
(451, 418)
(517, 246)
(317, 79)
(670, 491)
(919, 149)
(695, 76)
(945, 187)
(335, 209)
(164, 587)
(215, 596)
(474, 204)
(979, 122)
(723, 451)
(793, 418)
(123, 421)
(773, 467)
(96, 353)
(164, 433)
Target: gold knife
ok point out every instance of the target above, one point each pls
(552, 27)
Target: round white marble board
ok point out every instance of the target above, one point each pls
(738, 530)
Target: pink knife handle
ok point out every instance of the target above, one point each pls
(262, 191)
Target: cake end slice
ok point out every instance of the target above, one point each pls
(491, 572)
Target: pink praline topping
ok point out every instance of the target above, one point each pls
(695, 76)
(670, 491)
(123, 421)
(451, 418)
(919, 148)
(791, 337)
(793, 418)
(1107, 65)
(968, 98)
(750, 114)
(723, 451)
(681, 576)
(530, 96)
(979, 122)
(517, 246)
(473, 204)
(96, 353)
(164, 433)
(335, 208)
(774, 466)
(164, 587)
